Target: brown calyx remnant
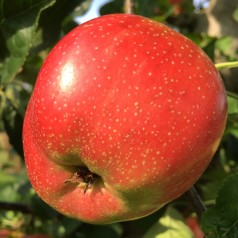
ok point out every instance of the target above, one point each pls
(83, 175)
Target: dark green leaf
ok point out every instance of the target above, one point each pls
(209, 48)
(41, 209)
(70, 225)
(18, 28)
(115, 6)
(53, 19)
(221, 221)
(231, 148)
(150, 8)
(113, 230)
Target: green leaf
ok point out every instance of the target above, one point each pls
(231, 152)
(12, 113)
(9, 185)
(221, 221)
(111, 230)
(170, 225)
(208, 45)
(6, 178)
(18, 28)
(232, 122)
(9, 194)
(232, 96)
(235, 15)
(224, 44)
(55, 19)
(112, 7)
(82, 8)
(70, 225)
(41, 209)
(209, 186)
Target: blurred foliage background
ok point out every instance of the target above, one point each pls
(28, 30)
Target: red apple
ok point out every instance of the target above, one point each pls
(4, 233)
(193, 224)
(125, 116)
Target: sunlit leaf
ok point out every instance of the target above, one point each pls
(170, 225)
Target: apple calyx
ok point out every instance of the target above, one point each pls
(85, 176)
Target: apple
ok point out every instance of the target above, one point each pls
(194, 225)
(125, 116)
(4, 233)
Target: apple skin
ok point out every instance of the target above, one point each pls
(4, 233)
(194, 225)
(136, 103)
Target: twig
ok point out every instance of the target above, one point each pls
(15, 207)
(196, 201)
(227, 65)
(232, 95)
(129, 6)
